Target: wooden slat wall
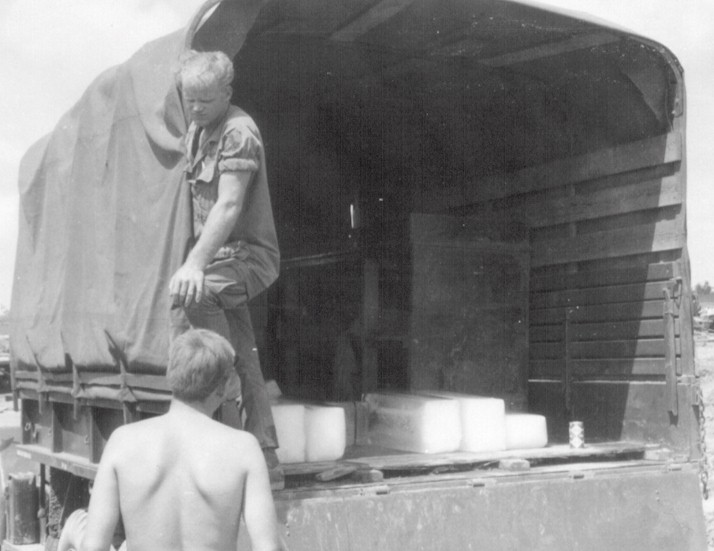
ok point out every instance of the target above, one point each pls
(607, 233)
(664, 235)
(587, 169)
(615, 327)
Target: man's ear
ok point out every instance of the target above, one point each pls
(229, 91)
(221, 390)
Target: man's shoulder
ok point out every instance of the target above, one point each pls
(236, 441)
(225, 431)
(135, 430)
(237, 119)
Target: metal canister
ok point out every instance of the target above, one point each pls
(23, 526)
(576, 431)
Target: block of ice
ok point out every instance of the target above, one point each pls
(325, 433)
(525, 430)
(289, 421)
(422, 424)
(483, 421)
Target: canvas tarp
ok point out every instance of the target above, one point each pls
(105, 216)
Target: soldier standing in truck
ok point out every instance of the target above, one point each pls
(235, 253)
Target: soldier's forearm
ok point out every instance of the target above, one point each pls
(219, 224)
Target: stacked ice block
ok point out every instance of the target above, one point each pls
(309, 432)
(324, 433)
(289, 421)
(525, 430)
(483, 421)
(416, 423)
(440, 421)
(424, 422)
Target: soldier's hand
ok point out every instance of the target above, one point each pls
(186, 286)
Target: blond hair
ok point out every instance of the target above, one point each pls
(202, 69)
(200, 361)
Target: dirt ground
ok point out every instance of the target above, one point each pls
(704, 354)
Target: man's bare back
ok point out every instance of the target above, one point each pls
(181, 481)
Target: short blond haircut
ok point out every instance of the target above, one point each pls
(200, 361)
(202, 69)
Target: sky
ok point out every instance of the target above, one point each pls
(52, 50)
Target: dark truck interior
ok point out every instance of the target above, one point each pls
(481, 197)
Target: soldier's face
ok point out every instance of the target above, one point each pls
(207, 104)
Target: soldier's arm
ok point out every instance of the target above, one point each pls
(186, 285)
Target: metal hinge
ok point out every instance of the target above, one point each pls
(671, 297)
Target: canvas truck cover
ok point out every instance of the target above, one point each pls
(104, 223)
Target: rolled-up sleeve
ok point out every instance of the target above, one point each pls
(239, 151)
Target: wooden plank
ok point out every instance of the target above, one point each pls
(628, 220)
(598, 295)
(652, 272)
(607, 202)
(640, 329)
(373, 17)
(619, 263)
(574, 43)
(622, 158)
(520, 203)
(598, 368)
(651, 309)
(72, 463)
(664, 235)
(634, 329)
(394, 460)
(379, 460)
(602, 349)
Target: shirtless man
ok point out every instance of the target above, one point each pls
(181, 481)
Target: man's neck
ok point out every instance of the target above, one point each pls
(180, 407)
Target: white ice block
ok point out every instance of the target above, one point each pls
(525, 430)
(422, 424)
(325, 431)
(289, 421)
(483, 421)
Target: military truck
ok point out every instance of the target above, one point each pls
(480, 196)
